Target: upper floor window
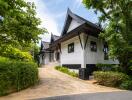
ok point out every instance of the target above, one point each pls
(93, 46)
(71, 48)
(106, 57)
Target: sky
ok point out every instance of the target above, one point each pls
(53, 13)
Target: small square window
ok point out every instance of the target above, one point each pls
(93, 46)
(71, 48)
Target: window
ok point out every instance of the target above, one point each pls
(71, 48)
(106, 57)
(93, 46)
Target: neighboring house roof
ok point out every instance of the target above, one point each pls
(71, 16)
(54, 38)
(45, 45)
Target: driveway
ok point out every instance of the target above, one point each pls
(122, 95)
(55, 83)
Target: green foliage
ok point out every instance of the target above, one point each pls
(126, 85)
(118, 17)
(15, 53)
(104, 67)
(16, 75)
(108, 67)
(109, 78)
(66, 70)
(18, 22)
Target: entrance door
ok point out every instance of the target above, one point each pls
(57, 56)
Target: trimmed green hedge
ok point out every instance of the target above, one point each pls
(66, 70)
(109, 78)
(16, 75)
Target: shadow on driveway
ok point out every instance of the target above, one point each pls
(122, 95)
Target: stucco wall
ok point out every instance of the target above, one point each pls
(46, 61)
(84, 56)
(96, 57)
(74, 57)
(74, 24)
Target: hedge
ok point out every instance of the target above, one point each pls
(16, 75)
(126, 84)
(108, 67)
(109, 78)
(66, 70)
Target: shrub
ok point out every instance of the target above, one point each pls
(15, 53)
(108, 67)
(126, 85)
(109, 78)
(66, 70)
(16, 75)
(104, 67)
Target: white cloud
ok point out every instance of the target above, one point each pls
(48, 20)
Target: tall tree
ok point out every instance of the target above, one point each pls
(18, 23)
(118, 33)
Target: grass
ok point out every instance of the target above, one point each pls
(66, 70)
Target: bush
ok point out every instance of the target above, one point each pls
(15, 53)
(126, 85)
(104, 67)
(109, 78)
(108, 67)
(16, 75)
(66, 70)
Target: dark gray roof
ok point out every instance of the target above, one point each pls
(54, 38)
(71, 16)
(45, 44)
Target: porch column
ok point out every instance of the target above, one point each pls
(83, 64)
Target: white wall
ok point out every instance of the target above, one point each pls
(96, 57)
(74, 24)
(74, 57)
(46, 58)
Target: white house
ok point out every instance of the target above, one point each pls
(78, 46)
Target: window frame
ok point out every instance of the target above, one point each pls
(106, 50)
(71, 48)
(93, 46)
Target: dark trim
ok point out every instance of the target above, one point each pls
(71, 47)
(86, 42)
(91, 68)
(80, 40)
(59, 47)
(93, 44)
(72, 66)
(71, 16)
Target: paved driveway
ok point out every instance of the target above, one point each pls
(125, 95)
(55, 83)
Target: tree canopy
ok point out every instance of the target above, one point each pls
(118, 33)
(18, 23)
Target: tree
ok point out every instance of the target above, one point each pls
(118, 33)
(18, 23)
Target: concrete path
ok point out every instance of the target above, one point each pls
(127, 95)
(55, 83)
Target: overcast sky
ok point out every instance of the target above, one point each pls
(53, 12)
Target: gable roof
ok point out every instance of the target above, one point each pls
(79, 19)
(54, 38)
(44, 45)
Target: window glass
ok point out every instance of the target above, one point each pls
(71, 48)
(93, 46)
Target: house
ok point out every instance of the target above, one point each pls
(79, 45)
